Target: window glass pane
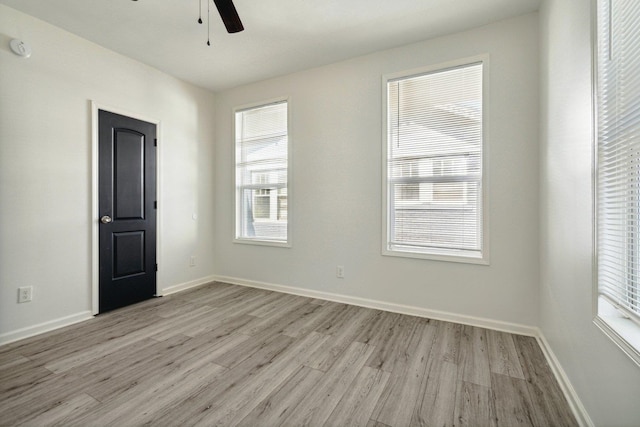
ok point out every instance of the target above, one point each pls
(261, 209)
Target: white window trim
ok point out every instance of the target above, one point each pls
(264, 242)
(443, 256)
(623, 332)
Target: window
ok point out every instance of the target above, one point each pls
(433, 164)
(262, 164)
(618, 172)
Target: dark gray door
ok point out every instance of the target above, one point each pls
(127, 209)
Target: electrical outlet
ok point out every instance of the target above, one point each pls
(25, 294)
(192, 261)
(340, 272)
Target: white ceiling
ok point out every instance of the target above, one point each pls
(281, 36)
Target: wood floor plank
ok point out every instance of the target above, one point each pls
(234, 396)
(358, 403)
(310, 321)
(192, 408)
(317, 406)
(245, 350)
(512, 401)
(227, 313)
(547, 397)
(39, 396)
(278, 306)
(436, 401)
(32, 388)
(137, 404)
(377, 329)
(11, 362)
(221, 327)
(16, 368)
(114, 345)
(278, 323)
(175, 308)
(145, 369)
(473, 358)
(212, 318)
(22, 380)
(62, 412)
(435, 404)
(474, 406)
(340, 318)
(388, 353)
(107, 376)
(227, 355)
(207, 318)
(210, 290)
(278, 405)
(374, 423)
(220, 297)
(503, 355)
(446, 344)
(341, 338)
(233, 407)
(398, 401)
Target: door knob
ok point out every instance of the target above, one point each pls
(106, 219)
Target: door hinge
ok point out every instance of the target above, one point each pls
(155, 142)
(155, 204)
(156, 267)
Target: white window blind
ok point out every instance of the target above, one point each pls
(618, 155)
(261, 160)
(434, 162)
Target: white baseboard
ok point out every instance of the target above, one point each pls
(41, 328)
(570, 394)
(513, 328)
(187, 285)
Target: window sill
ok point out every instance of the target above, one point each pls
(624, 332)
(465, 259)
(257, 242)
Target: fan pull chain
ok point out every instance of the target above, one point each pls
(200, 13)
(208, 20)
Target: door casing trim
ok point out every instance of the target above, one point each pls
(95, 239)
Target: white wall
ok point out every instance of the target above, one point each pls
(45, 168)
(337, 188)
(606, 380)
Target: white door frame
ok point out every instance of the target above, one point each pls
(95, 240)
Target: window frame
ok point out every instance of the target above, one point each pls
(440, 255)
(237, 205)
(622, 331)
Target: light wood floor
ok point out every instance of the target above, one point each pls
(229, 355)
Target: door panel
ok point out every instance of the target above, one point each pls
(128, 171)
(128, 254)
(127, 186)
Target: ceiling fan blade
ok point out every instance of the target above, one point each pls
(229, 15)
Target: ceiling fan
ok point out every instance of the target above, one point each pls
(227, 12)
(229, 16)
